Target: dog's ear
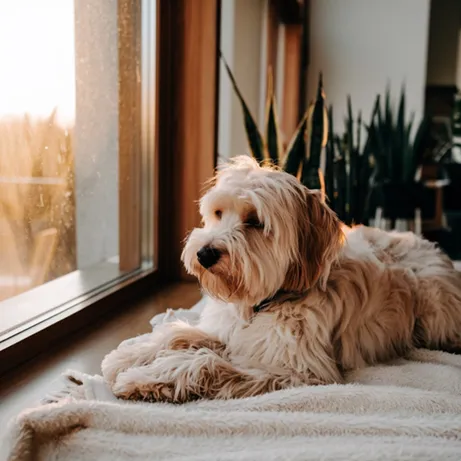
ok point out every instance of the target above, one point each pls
(319, 240)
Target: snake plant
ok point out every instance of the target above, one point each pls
(354, 173)
(396, 157)
(361, 177)
(302, 156)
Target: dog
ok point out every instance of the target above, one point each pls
(296, 297)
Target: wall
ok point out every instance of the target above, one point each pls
(96, 131)
(360, 45)
(445, 25)
(242, 25)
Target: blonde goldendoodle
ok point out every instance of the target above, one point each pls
(297, 298)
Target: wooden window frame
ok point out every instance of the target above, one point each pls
(185, 145)
(130, 132)
(187, 116)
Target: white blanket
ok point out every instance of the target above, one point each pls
(410, 409)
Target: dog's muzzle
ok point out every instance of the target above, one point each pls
(208, 256)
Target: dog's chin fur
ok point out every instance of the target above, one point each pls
(292, 248)
(362, 296)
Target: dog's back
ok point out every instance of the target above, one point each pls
(430, 275)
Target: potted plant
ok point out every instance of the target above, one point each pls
(358, 180)
(302, 156)
(347, 169)
(396, 158)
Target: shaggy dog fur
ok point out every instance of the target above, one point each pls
(297, 297)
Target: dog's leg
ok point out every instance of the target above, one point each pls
(176, 336)
(179, 376)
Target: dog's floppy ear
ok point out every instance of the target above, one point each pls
(319, 239)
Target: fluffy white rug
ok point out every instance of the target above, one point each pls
(410, 409)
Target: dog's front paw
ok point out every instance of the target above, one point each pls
(133, 384)
(128, 354)
(111, 366)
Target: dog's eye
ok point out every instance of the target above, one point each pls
(218, 214)
(254, 222)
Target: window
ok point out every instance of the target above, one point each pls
(77, 106)
(143, 142)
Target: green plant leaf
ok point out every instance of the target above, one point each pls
(398, 147)
(350, 122)
(272, 126)
(316, 123)
(359, 129)
(410, 125)
(379, 158)
(407, 152)
(401, 113)
(387, 108)
(329, 162)
(387, 133)
(350, 127)
(339, 147)
(364, 174)
(419, 145)
(296, 150)
(379, 138)
(376, 108)
(310, 173)
(341, 179)
(377, 117)
(311, 176)
(331, 131)
(254, 137)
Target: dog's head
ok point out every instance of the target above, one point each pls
(262, 231)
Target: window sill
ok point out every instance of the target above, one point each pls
(31, 320)
(27, 309)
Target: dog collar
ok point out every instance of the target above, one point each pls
(279, 297)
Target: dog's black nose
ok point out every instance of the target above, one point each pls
(208, 256)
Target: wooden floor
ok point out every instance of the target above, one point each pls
(84, 351)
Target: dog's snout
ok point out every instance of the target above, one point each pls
(208, 256)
